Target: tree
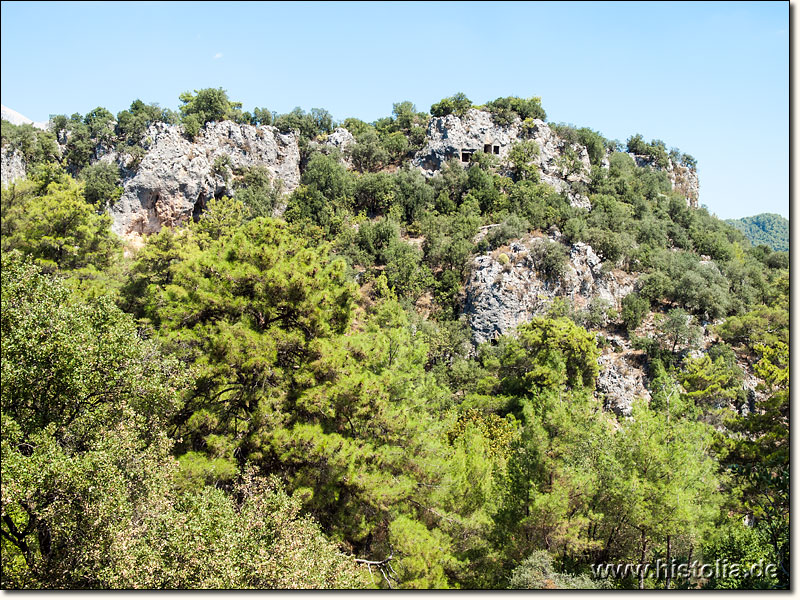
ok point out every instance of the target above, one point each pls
(505, 110)
(101, 125)
(368, 153)
(665, 482)
(35, 145)
(101, 183)
(548, 354)
(88, 484)
(207, 105)
(457, 104)
(537, 573)
(521, 156)
(244, 312)
(676, 330)
(634, 309)
(375, 193)
(58, 228)
(760, 456)
(83, 398)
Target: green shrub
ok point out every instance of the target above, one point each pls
(457, 104)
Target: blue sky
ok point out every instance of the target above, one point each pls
(709, 78)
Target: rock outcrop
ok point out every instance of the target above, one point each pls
(561, 164)
(621, 381)
(341, 139)
(177, 177)
(12, 166)
(684, 180)
(504, 292)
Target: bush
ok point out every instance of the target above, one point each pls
(376, 239)
(458, 104)
(368, 153)
(634, 309)
(522, 155)
(506, 110)
(513, 227)
(550, 258)
(207, 105)
(258, 192)
(537, 573)
(35, 145)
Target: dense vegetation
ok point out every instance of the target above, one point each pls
(768, 229)
(257, 402)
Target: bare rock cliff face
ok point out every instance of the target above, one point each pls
(177, 177)
(499, 296)
(621, 380)
(12, 166)
(453, 137)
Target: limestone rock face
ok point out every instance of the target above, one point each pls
(177, 177)
(12, 166)
(684, 180)
(341, 139)
(500, 294)
(620, 381)
(561, 164)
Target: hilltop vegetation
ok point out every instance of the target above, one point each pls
(252, 401)
(768, 229)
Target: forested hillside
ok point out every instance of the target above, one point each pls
(247, 349)
(767, 228)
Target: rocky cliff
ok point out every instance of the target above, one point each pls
(177, 177)
(509, 286)
(12, 166)
(453, 137)
(561, 164)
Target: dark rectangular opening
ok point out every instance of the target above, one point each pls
(497, 149)
(487, 148)
(465, 156)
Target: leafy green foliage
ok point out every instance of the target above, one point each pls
(35, 145)
(261, 404)
(505, 110)
(634, 309)
(57, 226)
(457, 104)
(548, 354)
(537, 573)
(767, 228)
(206, 105)
(309, 125)
(101, 182)
(258, 191)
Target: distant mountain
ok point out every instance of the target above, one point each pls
(766, 228)
(16, 118)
